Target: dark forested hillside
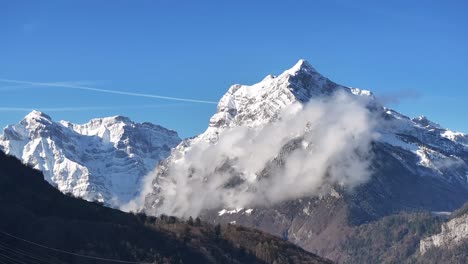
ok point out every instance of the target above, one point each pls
(396, 239)
(392, 239)
(70, 230)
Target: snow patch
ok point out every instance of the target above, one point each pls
(441, 213)
(452, 135)
(334, 193)
(249, 211)
(234, 211)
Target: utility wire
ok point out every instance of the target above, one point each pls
(40, 256)
(15, 260)
(71, 253)
(18, 251)
(10, 258)
(5, 260)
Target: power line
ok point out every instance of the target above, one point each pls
(6, 261)
(18, 251)
(72, 253)
(15, 260)
(11, 258)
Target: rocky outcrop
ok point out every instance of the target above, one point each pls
(453, 233)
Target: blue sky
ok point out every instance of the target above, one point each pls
(414, 55)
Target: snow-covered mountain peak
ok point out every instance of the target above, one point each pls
(302, 66)
(423, 121)
(121, 131)
(33, 124)
(113, 120)
(37, 115)
(104, 121)
(109, 129)
(257, 104)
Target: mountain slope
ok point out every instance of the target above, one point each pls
(417, 237)
(102, 160)
(404, 164)
(86, 232)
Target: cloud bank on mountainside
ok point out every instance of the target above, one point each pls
(308, 148)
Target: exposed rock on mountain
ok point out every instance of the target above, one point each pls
(453, 233)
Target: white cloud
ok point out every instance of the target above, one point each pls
(85, 108)
(333, 138)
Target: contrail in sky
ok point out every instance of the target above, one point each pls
(86, 88)
(82, 108)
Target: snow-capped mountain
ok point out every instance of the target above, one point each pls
(416, 164)
(104, 159)
(418, 143)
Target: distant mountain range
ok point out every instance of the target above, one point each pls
(103, 160)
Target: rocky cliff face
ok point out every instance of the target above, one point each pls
(454, 232)
(102, 160)
(416, 164)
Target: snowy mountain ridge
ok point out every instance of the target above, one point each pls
(102, 160)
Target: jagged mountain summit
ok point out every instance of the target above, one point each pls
(414, 164)
(260, 103)
(104, 159)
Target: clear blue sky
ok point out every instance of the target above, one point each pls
(413, 53)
